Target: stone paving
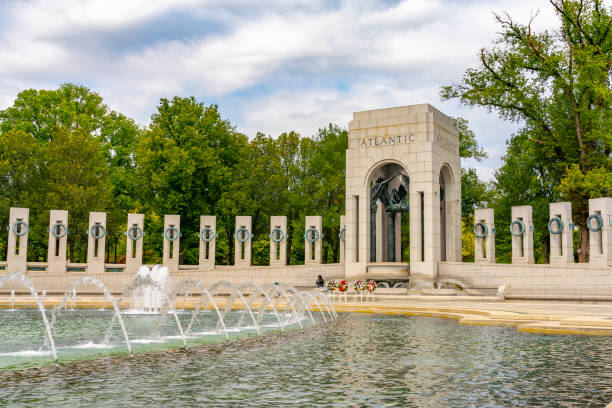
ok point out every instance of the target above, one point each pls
(549, 317)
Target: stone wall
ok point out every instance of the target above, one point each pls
(296, 275)
(535, 279)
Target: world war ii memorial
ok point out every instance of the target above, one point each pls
(181, 264)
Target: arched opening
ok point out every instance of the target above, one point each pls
(446, 186)
(389, 211)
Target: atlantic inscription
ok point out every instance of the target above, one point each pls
(386, 140)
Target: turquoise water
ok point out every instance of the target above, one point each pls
(361, 360)
(81, 334)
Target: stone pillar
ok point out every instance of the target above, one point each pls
(278, 230)
(58, 240)
(313, 223)
(416, 254)
(208, 239)
(600, 240)
(561, 243)
(242, 249)
(172, 242)
(482, 255)
(17, 245)
(390, 236)
(522, 245)
(96, 242)
(379, 244)
(134, 237)
(424, 232)
(398, 237)
(342, 237)
(357, 233)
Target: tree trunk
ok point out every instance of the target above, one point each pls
(583, 247)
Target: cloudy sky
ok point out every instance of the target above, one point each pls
(271, 66)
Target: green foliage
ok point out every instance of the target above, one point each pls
(468, 146)
(75, 179)
(575, 185)
(559, 86)
(39, 112)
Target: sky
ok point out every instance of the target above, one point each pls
(271, 66)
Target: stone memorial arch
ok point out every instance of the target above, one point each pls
(402, 163)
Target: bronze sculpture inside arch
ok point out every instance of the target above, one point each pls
(395, 201)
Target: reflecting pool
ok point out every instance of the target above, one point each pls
(360, 360)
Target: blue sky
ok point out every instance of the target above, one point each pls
(271, 66)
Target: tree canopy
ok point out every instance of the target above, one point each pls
(558, 85)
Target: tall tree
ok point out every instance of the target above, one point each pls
(185, 161)
(323, 185)
(558, 85)
(76, 179)
(39, 112)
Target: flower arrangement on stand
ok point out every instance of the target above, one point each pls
(371, 288)
(359, 288)
(332, 285)
(343, 287)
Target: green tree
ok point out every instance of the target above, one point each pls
(323, 184)
(186, 160)
(72, 107)
(39, 112)
(76, 179)
(20, 181)
(474, 192)
(557, 84)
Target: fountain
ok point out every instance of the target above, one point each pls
(145, 313)
(150, 297)
(71, 293)
(12, 299)
(21, 278)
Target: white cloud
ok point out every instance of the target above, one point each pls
(315, 63)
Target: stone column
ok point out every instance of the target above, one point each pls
(357, 233)
(17, 245)
(600, 239)
(415, 226)
(485, 216)
(398, 237)
(390, 236)
(380, 243)
(561, 243)
(96, 242)
(522, 245)
(242, 250)
(278, 250)
(375, 232)
(424, 231)
(313, 223)
(58, 240)
(134, 237)
(342, 237)
(172, 242)
(208, 239)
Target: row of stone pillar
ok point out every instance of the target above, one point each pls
(560, 227)
(58, 231)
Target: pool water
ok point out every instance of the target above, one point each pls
(360, 360)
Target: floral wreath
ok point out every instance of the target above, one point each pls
(371, 286)
(358, 286)
(343, 286)
(332, 285)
